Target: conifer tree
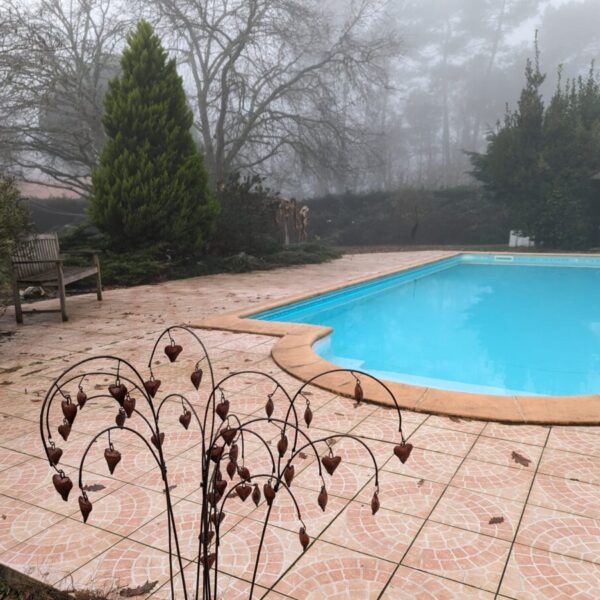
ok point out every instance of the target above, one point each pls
(150, 186)
(540, 162)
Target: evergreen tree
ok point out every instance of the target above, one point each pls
(540, 162)
(151, 185)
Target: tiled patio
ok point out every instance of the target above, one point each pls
(461, 519)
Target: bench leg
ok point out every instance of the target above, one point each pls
(98, 279)
(62, 294)
(17, 298)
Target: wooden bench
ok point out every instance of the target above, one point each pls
(37, 261)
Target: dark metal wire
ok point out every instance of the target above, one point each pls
(215, 448)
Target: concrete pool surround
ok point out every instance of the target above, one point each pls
(294, 353)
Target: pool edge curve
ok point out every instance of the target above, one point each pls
(294, 354)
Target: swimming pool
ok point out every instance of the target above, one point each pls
(493, 324)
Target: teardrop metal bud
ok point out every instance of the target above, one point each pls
(129, 406)
(152, 386)
(69, 410)
(196, 377)
(173, 351)
(62, 484)
(375, 503)
(158, 442)
(54, 454)
(222, 409)
(288, 474)
(358, 392)
(269, 493)
(231, 469)
(81, 398)
(256, 495)
(112, 458)
(64, 430)
(308, 416)
(120, 418)
(85, 506)
(282, 445)
(269, 407)
(243, 491)
(185, 418)
(322, 499)
(304, 539)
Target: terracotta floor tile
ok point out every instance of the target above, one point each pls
(561, 532)
(574, 439)
(239, 547)
(533, 574)
(528, 434)
(58, 550)
(410, 584)
(460, 555)
(457, 424)
(425, 464)
(284, 512)
(20, 521)
(126, 564)
(346, 481)
(448, 441)
(495, 480)
(327, 571)
(408, 495)
(500, 452)
(10, 458)
(570, 465)
(384, 427)
(478, 512)
(386, 535)
(126, 509)
(564, 494)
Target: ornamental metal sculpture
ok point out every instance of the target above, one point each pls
(222, 435)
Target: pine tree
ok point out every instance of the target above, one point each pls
(150, 186)
(540, 161)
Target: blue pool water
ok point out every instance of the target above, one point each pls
(476, 323)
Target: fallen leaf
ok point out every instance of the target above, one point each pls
(145, 588)
(455, 419)
(302, 455)
(420, 482)
(520, 459)
(96, 487)
(496, 520)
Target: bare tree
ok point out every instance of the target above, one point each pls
(275, 76)
(56, 57)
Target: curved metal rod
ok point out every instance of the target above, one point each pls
(161, 465)
(354, 373)
(107, 430)
(167, 331)
(347, 436)
(212, 397)
(58, 390)
(267, 516)
(50, 394)
(184, 399)
(211, 486)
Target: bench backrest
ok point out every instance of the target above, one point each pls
(42, 246)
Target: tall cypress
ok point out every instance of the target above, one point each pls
(150, 186)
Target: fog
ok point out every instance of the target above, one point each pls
(318, 97)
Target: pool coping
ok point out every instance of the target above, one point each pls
(294, 354)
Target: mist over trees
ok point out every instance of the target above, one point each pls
(319, 97)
